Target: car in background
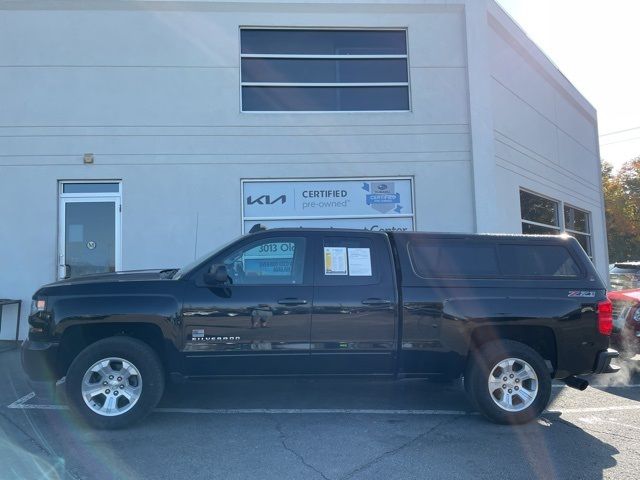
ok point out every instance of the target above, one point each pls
(626, 321)
(625, 275)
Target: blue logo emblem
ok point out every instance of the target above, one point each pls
(383, 196)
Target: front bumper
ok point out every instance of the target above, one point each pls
(603, 361)
(39, 360)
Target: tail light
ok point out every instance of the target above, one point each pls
(605, 317)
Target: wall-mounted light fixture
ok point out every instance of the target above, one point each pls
(88, 158)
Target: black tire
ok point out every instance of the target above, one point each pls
(138, 354)
(481, 364)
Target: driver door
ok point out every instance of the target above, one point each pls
(259, 321)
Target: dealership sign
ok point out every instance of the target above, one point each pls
(367, 203)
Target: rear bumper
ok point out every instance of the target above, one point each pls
(603, 361)
(39, 360)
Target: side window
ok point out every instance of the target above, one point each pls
(537, 261)
(271, 261)
(453, 259)
(350, 261)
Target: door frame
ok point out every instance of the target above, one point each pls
(64, 198)
(359, 361)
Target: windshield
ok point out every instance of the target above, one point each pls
(198, 261)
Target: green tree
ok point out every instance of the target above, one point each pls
(622, 205)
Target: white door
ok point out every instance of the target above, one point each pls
(89, 228)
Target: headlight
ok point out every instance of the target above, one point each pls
(38, 305)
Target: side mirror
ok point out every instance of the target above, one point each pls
(217, 275)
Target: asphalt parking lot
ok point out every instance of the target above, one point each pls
(325, 429)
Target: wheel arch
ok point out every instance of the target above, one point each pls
(540, 338)
(77, 337)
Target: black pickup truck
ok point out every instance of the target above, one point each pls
(507, 312)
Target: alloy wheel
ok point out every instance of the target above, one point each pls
(111, 386)
(513, 384)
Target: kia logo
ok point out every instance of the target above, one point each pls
(266, 200)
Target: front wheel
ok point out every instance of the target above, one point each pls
(508, 382)
(114, 382)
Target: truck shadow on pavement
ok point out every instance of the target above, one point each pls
(324, 428)
(337, 445)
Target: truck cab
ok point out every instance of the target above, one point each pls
(290, 302)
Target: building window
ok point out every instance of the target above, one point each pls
(576, 224)
(324, 70)
(541, 215)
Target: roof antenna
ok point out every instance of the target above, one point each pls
(258, 227)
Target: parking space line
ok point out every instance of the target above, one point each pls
(297, 411)
(339, 411)
(614, 408)
(38, 407)
(22, 400)
(600, 387)
(21, 404)
(267, 411)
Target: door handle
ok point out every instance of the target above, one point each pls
(376, 301)
(292, 301)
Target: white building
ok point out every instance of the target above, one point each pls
(139, 134)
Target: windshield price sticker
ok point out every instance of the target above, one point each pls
(355, 262)
(335, 261)
(359, 262)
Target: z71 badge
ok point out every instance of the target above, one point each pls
(582, 293)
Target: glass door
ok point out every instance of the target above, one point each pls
(89, 229)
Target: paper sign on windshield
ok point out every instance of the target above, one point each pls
(335, 261)
(359, 262)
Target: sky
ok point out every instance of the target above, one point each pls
(596, 45)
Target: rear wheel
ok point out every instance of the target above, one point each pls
(114, 382)
(508, 382)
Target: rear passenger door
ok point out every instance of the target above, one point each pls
(354, 316)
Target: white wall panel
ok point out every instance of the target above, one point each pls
(439, 95)
(117, 96)
(574, 124)
(118, 38)
(509, 68)
(582, 163)
(234, 145)
(545, 135)
(521, 123)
